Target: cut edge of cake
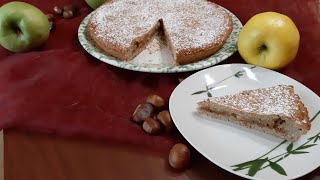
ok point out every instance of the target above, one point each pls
(283, 126)
(140, 43)
(183, 57)
(136, 46)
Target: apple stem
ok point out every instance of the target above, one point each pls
(262, 48)
(18, 31)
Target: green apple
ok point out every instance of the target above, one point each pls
(270, 40)
(94, 4)
(23, 27)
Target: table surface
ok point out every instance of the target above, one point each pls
(39, 155)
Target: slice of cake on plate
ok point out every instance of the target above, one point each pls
(275, 110)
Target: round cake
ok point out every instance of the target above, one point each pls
(193, 29)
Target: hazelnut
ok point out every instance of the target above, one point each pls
(57, 10)
(151, 126)
(68, 14)
(69, 7)
(156, 100)
(179, 156)
(165, 119)
(142, 112)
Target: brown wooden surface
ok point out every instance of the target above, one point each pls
(43, 157)
(38, 156)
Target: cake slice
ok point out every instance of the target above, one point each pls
(275, 110)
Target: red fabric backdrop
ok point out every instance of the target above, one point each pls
(60, 89)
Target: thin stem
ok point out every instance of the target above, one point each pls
(221, 81)
(314, 117)
(230, 77)
(286, 140)
(285, 153)
(292, 150)
(279, 155)
(225, 79)
(278, 160)
(311, 138)
(269, 164)
(273, 149)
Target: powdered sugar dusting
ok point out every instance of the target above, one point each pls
(195, 24)
(189, 23)
(277, 100)
(117, 21)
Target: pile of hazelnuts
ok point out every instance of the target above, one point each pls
(152, 116)
(154, 120)
(67, 12)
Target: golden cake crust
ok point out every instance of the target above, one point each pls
(191, 55)
(275, 110)
(194, 29)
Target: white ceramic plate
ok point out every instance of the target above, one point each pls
(228, 145)
(156, 57)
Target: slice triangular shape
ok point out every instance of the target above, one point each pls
(275, 110)
(123, 28)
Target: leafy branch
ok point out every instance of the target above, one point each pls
(256, 165)
(207, 90)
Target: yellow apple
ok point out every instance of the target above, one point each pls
(269, 40)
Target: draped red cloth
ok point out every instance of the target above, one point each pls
(61, 90)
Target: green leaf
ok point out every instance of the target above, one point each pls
(279, 160)
(277, 168)
(198, 92)
(298, 152)
(310, 138)
(256, 166)
(289, 148)
(305, 146)
(316, 139)
(243, 165)
(209, 94)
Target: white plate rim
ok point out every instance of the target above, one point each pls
(207, 155)
(229, 48)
